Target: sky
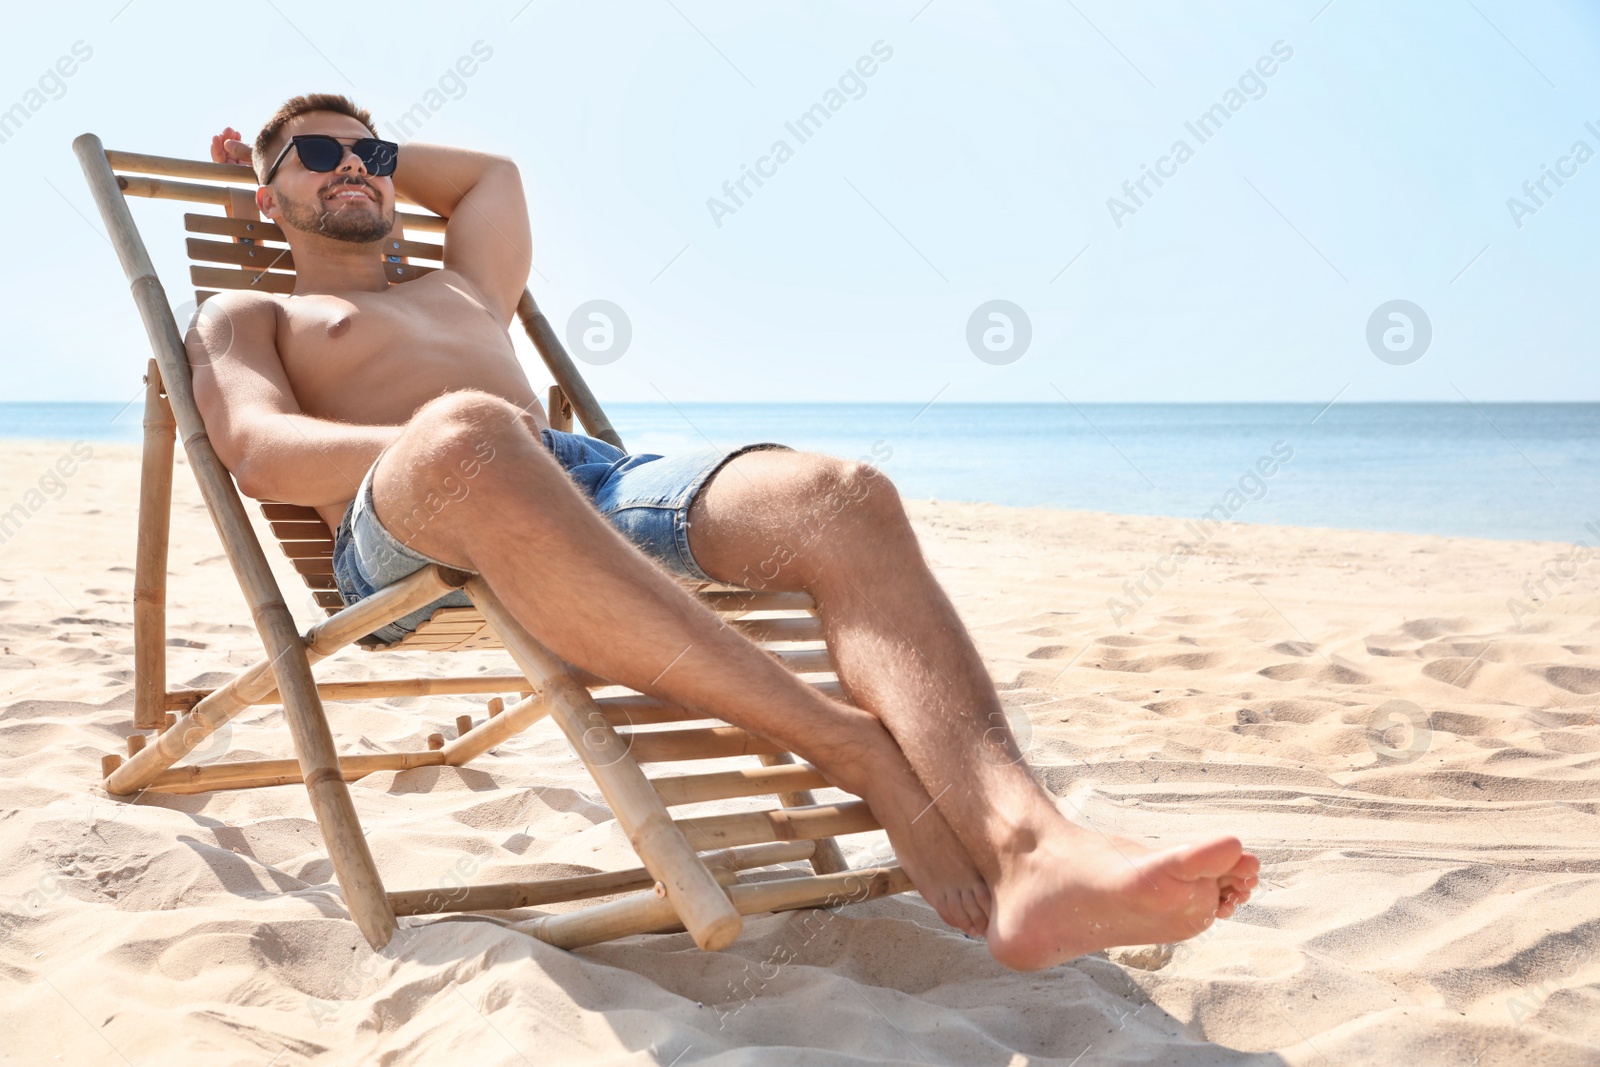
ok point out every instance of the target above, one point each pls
(1358, 154)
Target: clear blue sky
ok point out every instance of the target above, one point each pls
(1375, 163)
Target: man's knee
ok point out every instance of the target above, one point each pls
(460, 434)
(456, 457)
(836, 489)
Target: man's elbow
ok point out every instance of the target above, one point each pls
(257, 476)
(252, 481)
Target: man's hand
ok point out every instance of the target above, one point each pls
(226, 147)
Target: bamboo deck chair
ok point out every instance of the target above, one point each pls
(689, 878)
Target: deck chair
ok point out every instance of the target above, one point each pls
(689, 876)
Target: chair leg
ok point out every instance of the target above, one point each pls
(330, 799)
(694, 894)
(150, 560)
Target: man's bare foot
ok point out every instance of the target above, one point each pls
(924, 845)
(1076, 891)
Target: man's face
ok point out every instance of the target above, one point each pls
(347, 203)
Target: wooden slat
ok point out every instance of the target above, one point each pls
(228, 278)
(745, 782)
(287, 530)
(803, 629)
(448, 624)
(332, 601)
(262, 257)
(452, 626)
(289, 512)
(445, 615)
(506, 896)
(399, 246)
(144, 163)
(786, 824)
(806, 660)
(709, 742)
(647, 712)
(254, 774)
(468, 620)
(166, 189)
(319, 581)
(260, 231)
(446, 643)
(754, 600)
(801, 661)
(246, 229)
(406, 272)
(370, 689)
(635, 709)
(279, 282)
(321, 565)
(277, 257)
(308, 550)
(644, 914)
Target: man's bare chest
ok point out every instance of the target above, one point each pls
(422, 330)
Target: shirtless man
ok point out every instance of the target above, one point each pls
(364, 399)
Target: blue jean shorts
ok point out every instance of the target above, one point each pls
(646, 497)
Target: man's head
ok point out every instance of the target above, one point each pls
(331, 203)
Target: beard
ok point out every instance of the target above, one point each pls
(357, 227)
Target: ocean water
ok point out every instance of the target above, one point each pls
(1506, 471)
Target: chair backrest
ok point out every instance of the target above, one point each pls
(237, 249)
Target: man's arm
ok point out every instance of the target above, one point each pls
(487, 238)
(253, 420)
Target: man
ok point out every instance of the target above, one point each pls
(369, 402)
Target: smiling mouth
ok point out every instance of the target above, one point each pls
(352, 192)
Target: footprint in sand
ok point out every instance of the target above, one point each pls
(1412, 635)
(1316, 671)
(1147, 661)
(1121, 641)
(1583, 680)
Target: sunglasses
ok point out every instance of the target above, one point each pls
(321, 153)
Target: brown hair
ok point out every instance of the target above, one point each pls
(265, 149)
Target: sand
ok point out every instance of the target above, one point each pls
(1431, 883)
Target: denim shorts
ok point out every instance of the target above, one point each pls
(646, 497)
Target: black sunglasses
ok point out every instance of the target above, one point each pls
(321, 153)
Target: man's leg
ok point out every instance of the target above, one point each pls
(597, 602)
(788, 520)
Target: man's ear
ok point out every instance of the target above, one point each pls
(266, 202)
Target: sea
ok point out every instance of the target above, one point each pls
(1510, 471)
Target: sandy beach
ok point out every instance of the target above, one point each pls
(1403, 727)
